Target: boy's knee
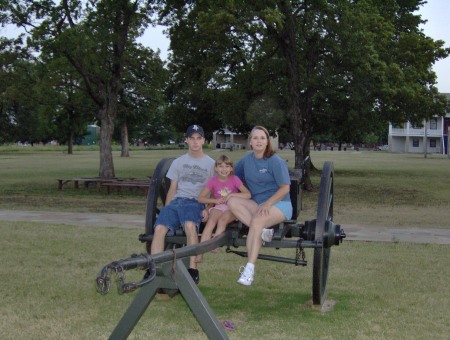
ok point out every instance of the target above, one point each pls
(160, 230)
(158, 239)
(190, 227)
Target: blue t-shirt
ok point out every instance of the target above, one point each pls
(263, 176)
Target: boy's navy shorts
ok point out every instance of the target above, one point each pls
(179, 211)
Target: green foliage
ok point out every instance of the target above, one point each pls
(95, 39)
(142, 99)
(265, 111)
(343, 69)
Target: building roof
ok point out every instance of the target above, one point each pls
(225, 131)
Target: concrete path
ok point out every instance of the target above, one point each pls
(354, 232)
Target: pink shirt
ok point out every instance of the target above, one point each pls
(221, 189)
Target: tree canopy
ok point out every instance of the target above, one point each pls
(339, 67)
(94, 37)
(300, 67)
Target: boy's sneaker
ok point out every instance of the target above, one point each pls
(195, 275)
(267, 234)
(246, 278)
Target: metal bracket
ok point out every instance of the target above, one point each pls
(167, 278)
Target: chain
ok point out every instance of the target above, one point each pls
(104, 283)
(300, 252)
(120, 277)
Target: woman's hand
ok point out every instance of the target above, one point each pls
(263, 209)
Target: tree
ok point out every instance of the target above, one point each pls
(63, 100)
(332, 66)
(8, 94)
(19, 106)
(93, 36)
(143, 95)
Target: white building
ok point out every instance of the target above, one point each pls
(409, 138)
(226, 139)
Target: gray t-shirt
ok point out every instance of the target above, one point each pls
(191, 173)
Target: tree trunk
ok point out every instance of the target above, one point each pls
(107, 114)
(70, 143)
(299, 116)
(306, 141)
(124, 139)
(300, 105)
(287, 41)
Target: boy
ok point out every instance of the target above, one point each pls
(188, 175)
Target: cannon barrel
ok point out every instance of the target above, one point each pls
(146, 261)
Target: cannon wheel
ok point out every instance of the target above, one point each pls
(157, 194)
(322, 253)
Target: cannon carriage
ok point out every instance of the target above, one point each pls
(167, 270)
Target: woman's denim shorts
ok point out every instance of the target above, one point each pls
(177, 212)
(285, 207)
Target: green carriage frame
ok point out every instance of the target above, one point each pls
(168, 270)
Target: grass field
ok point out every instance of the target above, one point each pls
(380, 290)
(371, 188)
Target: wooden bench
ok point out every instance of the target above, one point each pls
(139, 184)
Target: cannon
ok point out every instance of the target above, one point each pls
(167, 270)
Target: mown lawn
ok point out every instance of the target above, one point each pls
(379, 290)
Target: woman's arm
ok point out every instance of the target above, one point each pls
(280, 175)
(277, 196)
(243, 193)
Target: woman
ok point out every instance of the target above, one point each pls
(267, 177)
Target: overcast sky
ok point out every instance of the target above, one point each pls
(437, 13)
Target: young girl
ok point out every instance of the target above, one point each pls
(217, 191)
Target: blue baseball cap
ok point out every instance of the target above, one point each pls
(195, 129)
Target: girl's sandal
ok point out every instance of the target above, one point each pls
(228, 325)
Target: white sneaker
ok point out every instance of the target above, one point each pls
(267, 234)
(246, 278)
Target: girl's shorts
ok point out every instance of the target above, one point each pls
(221, 207)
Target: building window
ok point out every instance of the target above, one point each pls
(433, 124)
(416, 126)
(432, 143)
(415, 142)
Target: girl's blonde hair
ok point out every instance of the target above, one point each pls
(227, 160)
(269, 148)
